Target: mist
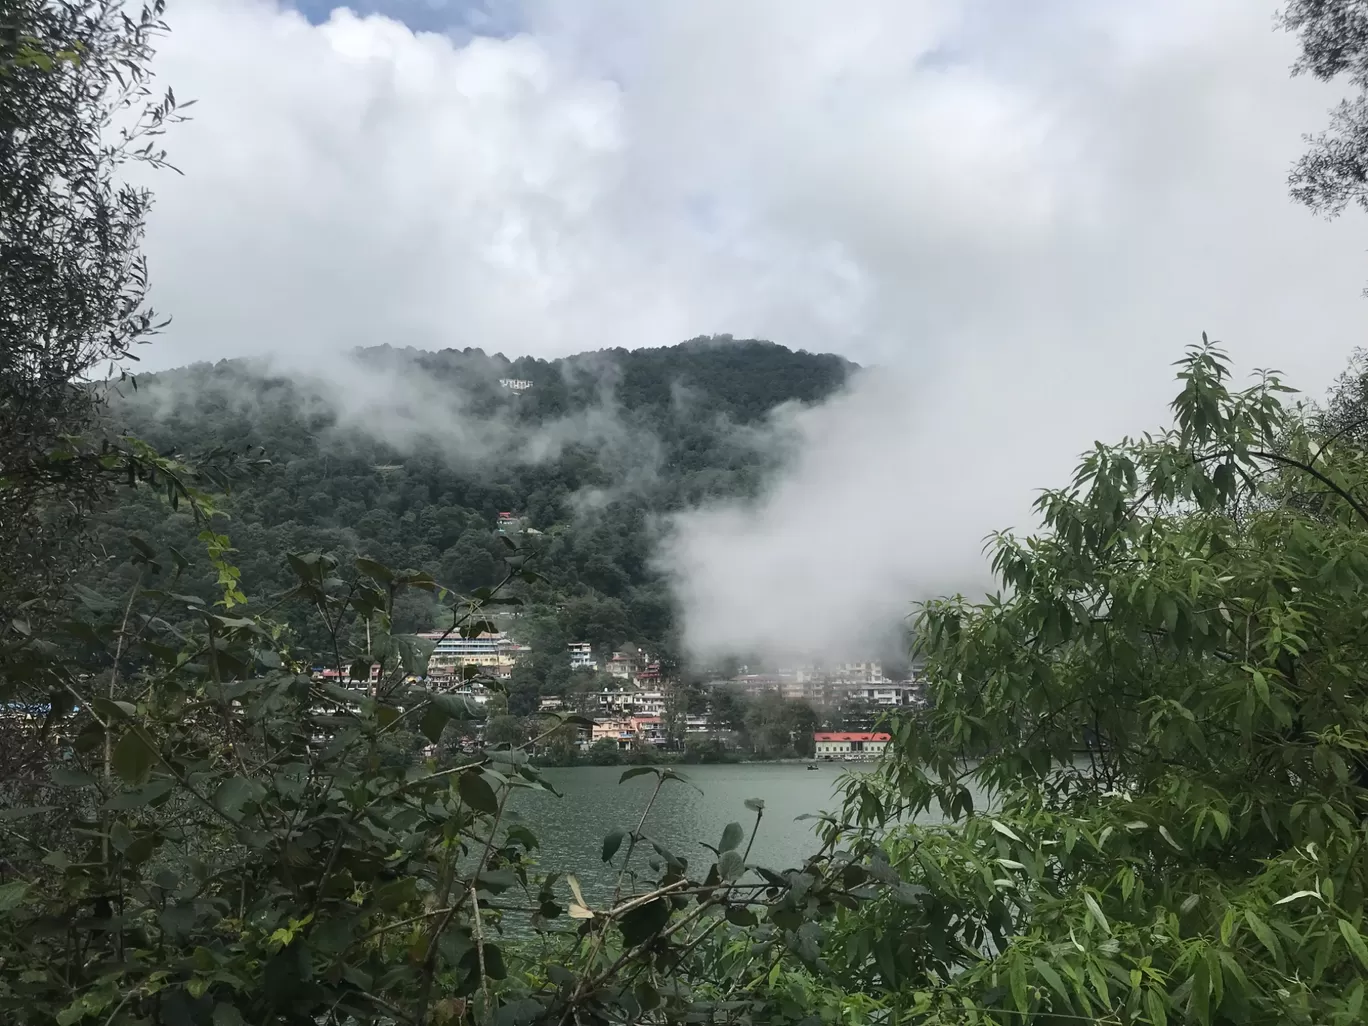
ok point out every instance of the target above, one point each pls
(1017, 220)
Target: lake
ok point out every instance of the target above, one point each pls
(571, 828)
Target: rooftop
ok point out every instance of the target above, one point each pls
(849, 736)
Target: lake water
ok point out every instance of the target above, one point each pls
(571, 828)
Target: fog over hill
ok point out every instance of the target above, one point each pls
(620, 461)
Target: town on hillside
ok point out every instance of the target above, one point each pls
(829, 713)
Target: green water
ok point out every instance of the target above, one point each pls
(571, 828)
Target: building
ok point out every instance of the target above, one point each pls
(628, 663)
(493, 652)
(507, 523)
(641, 702)
(515, 384)
(849, 745)
(649, 730)
(582, 656)
(888, 695)
(618, 729)
(627, 731)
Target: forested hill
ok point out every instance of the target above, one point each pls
(409, 457)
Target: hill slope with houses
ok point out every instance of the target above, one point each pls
(437, 460)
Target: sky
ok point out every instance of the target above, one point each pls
(1019, 214)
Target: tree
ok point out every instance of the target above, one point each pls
(1167, 706)
(523, 694)
(605, 752)
(1334, 41)
(505, 730)
(776, 726)
(804, 720)
(72, 277)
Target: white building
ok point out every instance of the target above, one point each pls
(495, 653)
(844, 745)
(631, 700)
(582, 656)
(515, 384)
(887, 693)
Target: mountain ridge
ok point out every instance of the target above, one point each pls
(408, 456)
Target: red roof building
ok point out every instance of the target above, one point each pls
(851, 736)
(845, 744)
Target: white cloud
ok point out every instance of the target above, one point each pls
(1020, 218)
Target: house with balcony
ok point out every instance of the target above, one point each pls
(582, 656)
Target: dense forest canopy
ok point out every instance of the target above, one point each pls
(409, 457)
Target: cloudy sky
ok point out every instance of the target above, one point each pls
(1020, 212)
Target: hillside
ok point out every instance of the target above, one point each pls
(409, 457)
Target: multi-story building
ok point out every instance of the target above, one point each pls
(515, 384)
(849, 745)
(642, 702)
(886, 694)
(629, 730)
(582, 656)
(649, 729)
(493, 652)
(628, 663)
(615, 728)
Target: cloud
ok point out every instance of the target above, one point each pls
(1020, 216)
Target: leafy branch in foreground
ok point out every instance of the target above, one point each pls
(1165, 713)
(223, 838)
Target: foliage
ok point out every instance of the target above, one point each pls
(592, 455)
(774, 726)
(1334, 42)
(225, 839)
(1169, 711)
(75, 108)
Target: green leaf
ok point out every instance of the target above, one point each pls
(153, 790)
(455, 706)
(644, 921)
(612, 841)
(12, 893)
(637, 771)
(434, 721)
(755, 804)
(731, 865)
(1016, 979)
(232, 795)
(1156, 1007)
(1046, 972)
(227, 1015)
(1095, 910)
(414, 652)
(739, 915)
(1005, 830)
(375, 571)
(731, 837)
(497, 880)
(65, 776)
(1264, 933)
(113, 712)
(1354, 1002)
(476, 792)
(1355, 942)
(133, 757)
